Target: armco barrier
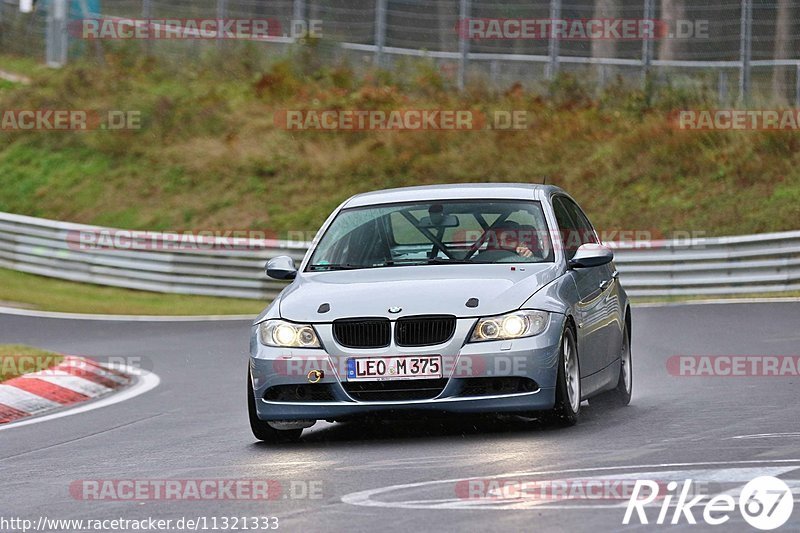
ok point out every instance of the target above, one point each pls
(712, 266)
(50, 248)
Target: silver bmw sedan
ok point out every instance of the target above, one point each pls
(478, 298)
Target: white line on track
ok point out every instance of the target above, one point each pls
(364, 498)
(769, 436)
(146, 381)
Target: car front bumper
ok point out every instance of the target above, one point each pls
(487, 377)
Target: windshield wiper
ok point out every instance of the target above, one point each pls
(427, 261)
(335, 266)
(445, 261)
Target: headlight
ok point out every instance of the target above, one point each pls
(511, 326)
(287, 335)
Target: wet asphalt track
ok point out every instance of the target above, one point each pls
(194, 426)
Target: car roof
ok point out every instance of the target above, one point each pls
(458, 191)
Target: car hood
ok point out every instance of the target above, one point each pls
(416, 290)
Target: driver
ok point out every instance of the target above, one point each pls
(512, 237)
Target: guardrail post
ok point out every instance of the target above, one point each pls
(494, 69)
(722, 87)
(57, 38)
(746, 36)
(647, 44)
(464, 11)
(553, 43)
(380, 31)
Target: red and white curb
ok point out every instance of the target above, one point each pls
(73, 381)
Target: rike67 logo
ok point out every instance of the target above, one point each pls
(765, 503)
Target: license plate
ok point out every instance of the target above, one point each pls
(402, 367)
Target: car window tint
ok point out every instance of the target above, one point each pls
(477, 231)
(568, 228)
(586, 231)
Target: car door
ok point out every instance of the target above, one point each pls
(589, 312)
(609, 313)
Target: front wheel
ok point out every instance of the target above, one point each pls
(262, 430)
(620, 395)
(568, 383)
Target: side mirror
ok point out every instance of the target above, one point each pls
(591, 255)
(281, 267)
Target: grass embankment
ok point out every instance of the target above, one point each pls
(21, 66)
(46, 294)
(210, 156)
(18, 359)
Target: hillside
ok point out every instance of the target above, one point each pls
(209, 155)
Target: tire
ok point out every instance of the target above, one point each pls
(620, 396)
(568, 383)
(262, 430)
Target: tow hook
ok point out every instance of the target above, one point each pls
(315, 375)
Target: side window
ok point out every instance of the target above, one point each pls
(570, 234)
(585, 228)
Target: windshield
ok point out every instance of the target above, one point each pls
(440, 232)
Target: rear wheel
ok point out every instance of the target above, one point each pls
(568, 383)
(262, 430)
(620, 395)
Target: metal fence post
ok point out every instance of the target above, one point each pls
(464, 10)
(57, 38)
(746, 36)
(298, 12)
(147, 14)
(222, 9)
(797, 86)
(647, 44)
(553, 43)
(380, 31)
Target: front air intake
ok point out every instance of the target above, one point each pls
(424, 330)
(362, 332)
